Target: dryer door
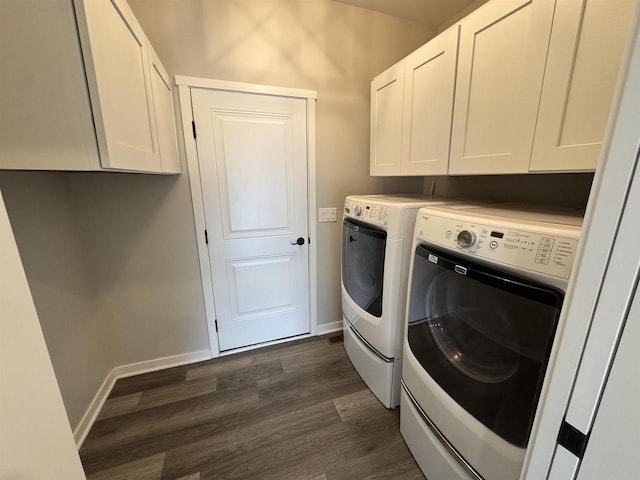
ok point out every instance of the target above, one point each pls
(484, 337)
(363, 248)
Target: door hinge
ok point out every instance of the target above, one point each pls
(193, 127)
(206, 237)
(572, 439)
(216, 322)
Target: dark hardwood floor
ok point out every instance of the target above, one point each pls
(292, 411)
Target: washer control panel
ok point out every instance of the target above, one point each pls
(368, 212)
(550, 250)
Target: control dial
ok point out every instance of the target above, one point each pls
(466, 238)
(358, 210)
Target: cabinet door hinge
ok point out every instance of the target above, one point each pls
(206, 237)
(216, 322)
(193, 127)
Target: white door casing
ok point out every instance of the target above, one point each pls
(253, 145)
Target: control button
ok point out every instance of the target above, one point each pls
(493, 245)
(466, 238)
(358, 210)
(448, 234)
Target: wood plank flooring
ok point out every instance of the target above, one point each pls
(294, 411)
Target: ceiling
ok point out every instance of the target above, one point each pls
(431, 13)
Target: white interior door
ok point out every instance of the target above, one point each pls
(252, 151)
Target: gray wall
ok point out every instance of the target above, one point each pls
(111, 258)
(320, 45)
(560, 189)
(112, 265)
(56, 259)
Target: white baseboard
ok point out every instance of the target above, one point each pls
(86, 422)
(329, 327)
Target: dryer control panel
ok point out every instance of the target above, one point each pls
(368, 212)
(548, 250)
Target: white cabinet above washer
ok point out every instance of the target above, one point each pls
(387, 92)
(411, 108)
(429, 79)
(533, 80)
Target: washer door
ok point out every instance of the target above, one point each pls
(363, 248)
(484, 336)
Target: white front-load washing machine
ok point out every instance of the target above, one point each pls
(485, 292)
(377, 231)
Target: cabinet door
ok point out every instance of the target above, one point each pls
(585, 51)
(429, 78)
(114, 48)
(165, 118)
(386, 120)
(503, 48)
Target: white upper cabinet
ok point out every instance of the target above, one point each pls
(51, 120)
(502, 54)
(117, 60)
(429, 79)
(165, 118)
(387, 91)
(585, 52)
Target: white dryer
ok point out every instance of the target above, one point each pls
(485, 292)
(377, 231)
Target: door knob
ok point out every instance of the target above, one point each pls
(299, 241)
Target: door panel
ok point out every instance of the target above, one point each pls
(246, 281)
(252, 151)
(254, 171)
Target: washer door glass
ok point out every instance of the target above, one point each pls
(484, 336)
(363, 248)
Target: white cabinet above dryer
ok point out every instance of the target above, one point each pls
(82, 90)
(585, 52)
(503, 50)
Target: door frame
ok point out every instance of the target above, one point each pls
(185, 84)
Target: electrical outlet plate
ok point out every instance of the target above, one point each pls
(327, 214)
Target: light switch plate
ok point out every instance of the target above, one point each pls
(327, 214)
